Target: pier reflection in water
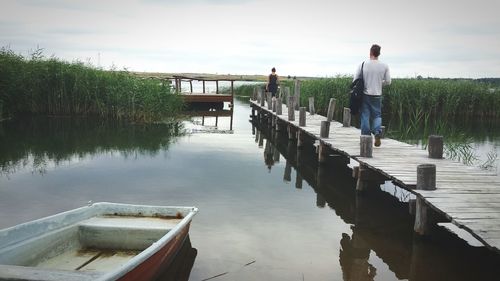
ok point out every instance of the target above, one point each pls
(382, 228)
(295, 221)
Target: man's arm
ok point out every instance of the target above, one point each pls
(387, 77)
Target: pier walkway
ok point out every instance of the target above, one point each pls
(467, 196)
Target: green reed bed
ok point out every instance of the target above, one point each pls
(412, 99)
(49, 86)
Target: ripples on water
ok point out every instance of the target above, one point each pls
(267, 211)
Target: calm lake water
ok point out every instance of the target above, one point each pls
(267, 212)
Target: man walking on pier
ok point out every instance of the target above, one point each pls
(375, 75)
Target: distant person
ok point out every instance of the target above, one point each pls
(273, 81)
(375, 74)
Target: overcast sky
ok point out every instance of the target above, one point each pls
(438, 38)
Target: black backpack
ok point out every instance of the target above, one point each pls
(356, 94)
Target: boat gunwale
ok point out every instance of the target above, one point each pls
(102, 208)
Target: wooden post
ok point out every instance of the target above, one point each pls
(286, 94)
(216, 120)
(262, 98)
(291, 135)
(300, 139)
(298, 180)
(191, 86)
(325, 129)
(279, 106)
(297, 94)
(217, 87)
(287, 176)
(269, 101)
(435, 147)
(366, 145)
(426, 180)
(180, 85)
(347, 117)
(291, 110)
(426, 177)
(274, 104)
(311, 106)
(322, 153)
(261, 139)
(331, 110)
(204, 90)
(302, 117)
(361, 184)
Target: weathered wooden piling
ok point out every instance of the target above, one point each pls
(287, 176)
(291, 132)
(435, 147)
(254, 93)
(426, 177)
(291, 111)
(365, 145)
(262, 96)
(273, 101)
(331, 110)
(298, 181)
(297, 94)
(279, 106)
(269, 98)
(325, 129)
(322, 153)
(301, 136)
(286, 93)
(426, 180)
(347, 117)
(302, 117)
(311, 106)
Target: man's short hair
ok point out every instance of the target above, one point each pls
(375, 50)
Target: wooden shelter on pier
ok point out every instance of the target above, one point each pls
(206, 104)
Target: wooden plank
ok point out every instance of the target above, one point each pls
(469, 196)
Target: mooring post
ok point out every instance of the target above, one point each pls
(286, 93)
(298, 180)
(269, 101)
(365, 145)
(426, 180)
(347, 117)
(262, 98)
(435, 147)
(301, 138)
(297, 94)
(311, 106)
(331, 110)
(325, 129)
(287, 176)
(302, 117)
(322, 153)
(291, 110)
(261, 139)
(279, 106)
(274, 104)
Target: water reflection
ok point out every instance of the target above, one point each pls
(41, 142)
(180, 268)
(382, 228)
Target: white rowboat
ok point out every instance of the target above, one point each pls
(102, 241)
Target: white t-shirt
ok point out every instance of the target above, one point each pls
(375, 74)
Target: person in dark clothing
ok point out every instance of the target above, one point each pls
(272, 82)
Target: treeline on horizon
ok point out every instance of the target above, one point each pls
(37, 85)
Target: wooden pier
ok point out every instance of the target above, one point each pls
(466, 196)
(206, 104)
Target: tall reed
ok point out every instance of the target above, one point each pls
(49, 86)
